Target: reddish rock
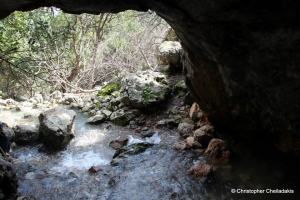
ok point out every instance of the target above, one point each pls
(217, 152)
(93, 169)
(200, 170)
(118, 143)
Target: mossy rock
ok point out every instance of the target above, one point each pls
(109, 89)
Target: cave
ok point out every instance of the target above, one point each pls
(241, 60)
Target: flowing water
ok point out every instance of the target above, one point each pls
(158, 173)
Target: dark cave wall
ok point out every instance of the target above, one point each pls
(243, 58)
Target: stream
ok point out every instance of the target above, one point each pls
(157, 174)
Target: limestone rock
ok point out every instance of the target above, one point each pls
(56, 127)
(97, 119)
(122, 118)
(169, 54)
(26, 134)
(144, 89)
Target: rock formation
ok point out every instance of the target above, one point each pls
(241, 60)
(56, 127)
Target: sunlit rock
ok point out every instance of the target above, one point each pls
(144, 89)
(37, 98)
(97, 119)
(56, 127)
(169, 54)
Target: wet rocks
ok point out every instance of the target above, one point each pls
(202, 136)
(56, 127)
(132, 149)
(122, 117)
(217, 152)
(192, 143)
(201, 171)
(97, 119)
(185, 129)
(8, 180)
(26, 134)
(118, 143)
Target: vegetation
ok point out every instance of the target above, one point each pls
(45, 49)
(109, 88)
(146, 95)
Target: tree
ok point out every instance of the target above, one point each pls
(46, 49)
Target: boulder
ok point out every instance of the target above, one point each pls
(202, 137)
(118, 143)
(133, 149)
(201, 170)
(8, 180)
(185, 130)
(56, 127)
(192, 143)
(122, 118)
(217, 152)
(144, 89)
(26, 134)
(107, 113)
(97, 119)
(165, 69)
(169, 53)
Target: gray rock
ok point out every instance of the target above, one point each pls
(56, 127)
(144, 89)
(97, 119)
(132, 149)
(26, 134)
(107, 113)
(185, 130)
(169, 54)
(122, 118)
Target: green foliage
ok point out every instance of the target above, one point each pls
(146, 95)
(179, 84)
(98, 104)
(108, 89)
(40, 49)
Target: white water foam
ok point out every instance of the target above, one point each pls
(81, 161)
(155, 139)
(89, 138)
